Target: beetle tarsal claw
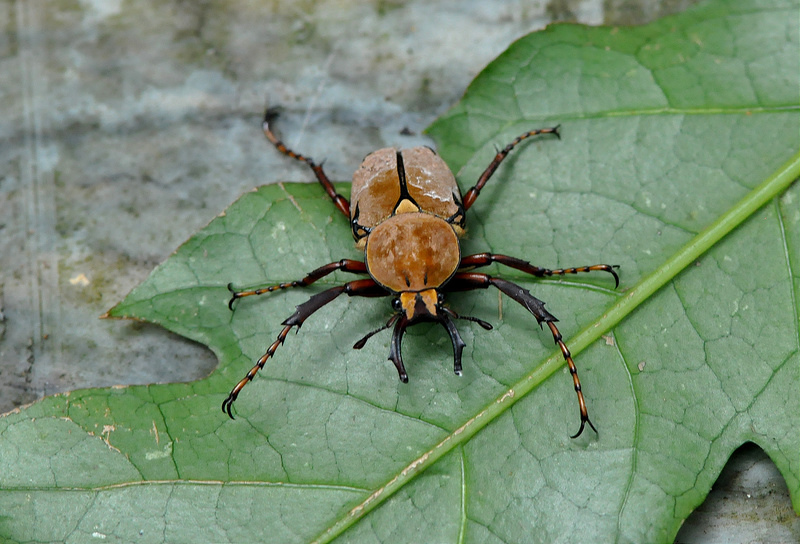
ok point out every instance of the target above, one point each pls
(234, 296)
(584, 421)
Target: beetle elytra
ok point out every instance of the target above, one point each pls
(407, 214)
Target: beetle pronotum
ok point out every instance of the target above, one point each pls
(407, 214)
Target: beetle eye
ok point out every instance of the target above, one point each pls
(396, 305)
(440, 298)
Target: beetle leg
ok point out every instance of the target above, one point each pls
(341, 202)
(359, 230)
(485, 324)
(363, 288)
(457, 218)
(472, 194)
(455, 338)
(465, 281)
(485, 259)
(361, 343)
(395, 354)
(345, 265)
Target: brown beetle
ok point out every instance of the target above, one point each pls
(407, 215)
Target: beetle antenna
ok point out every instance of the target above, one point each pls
(485, 324)
(361, 343)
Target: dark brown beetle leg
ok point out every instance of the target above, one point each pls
(345, 265)
(455, 338)
(472, 194)
(363, 342)
(341, 202)
(486, 325)
(485, 259)
(361, 288)
(395, 354)
(465, 281)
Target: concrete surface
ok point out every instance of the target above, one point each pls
(125, 127)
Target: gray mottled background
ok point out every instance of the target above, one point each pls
(127, 126)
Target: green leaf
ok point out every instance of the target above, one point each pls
(680, 140)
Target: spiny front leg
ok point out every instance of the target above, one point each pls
(536, 307)
(465, 281)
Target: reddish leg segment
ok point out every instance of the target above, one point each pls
(465, 281)
(472, 194)
(485, 259)
(361, 288)
(341, 202)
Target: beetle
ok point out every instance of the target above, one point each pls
(407, 214)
